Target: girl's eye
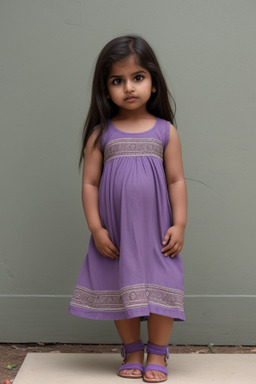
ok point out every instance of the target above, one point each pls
(139, 78)
(117, 81)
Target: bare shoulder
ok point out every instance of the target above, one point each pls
(174, 139)
(93, 161)
(90, 147)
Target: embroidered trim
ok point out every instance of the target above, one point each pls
(139, 295)
(133, 147)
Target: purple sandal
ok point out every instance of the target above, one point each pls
(129, 348)
(156, 350)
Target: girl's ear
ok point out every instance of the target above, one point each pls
(153, 89)
(108, 97)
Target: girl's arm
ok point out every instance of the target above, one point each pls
(174, 236)
(92, 170)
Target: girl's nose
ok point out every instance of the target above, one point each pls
(128, 86)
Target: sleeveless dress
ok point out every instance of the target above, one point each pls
(134, 207)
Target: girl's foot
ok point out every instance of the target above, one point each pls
(133, 355)
(155, 370)
(132, 358)
(154, 375)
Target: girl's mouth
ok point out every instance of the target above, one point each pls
(130, 98)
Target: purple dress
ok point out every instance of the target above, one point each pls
(134, 207)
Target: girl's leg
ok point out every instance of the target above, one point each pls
(129, 332)
(159, 332)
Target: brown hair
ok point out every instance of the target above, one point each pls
(161, 103)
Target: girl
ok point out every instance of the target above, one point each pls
(134, 199)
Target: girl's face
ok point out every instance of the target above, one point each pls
(129, 85)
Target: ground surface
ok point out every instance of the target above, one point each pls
(12, 355)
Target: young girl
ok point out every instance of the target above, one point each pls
(134, 199)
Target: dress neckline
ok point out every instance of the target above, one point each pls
(133, 133)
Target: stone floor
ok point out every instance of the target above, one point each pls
(79, 368)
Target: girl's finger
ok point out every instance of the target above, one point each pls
(172, 249)
(113, 250)
(166, 238)
(169, 248)
(110, 256)
(176, 252)
(112, 253)
(106, 252)
(110, 245)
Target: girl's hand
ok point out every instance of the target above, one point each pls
(104, 244)
(173, 241)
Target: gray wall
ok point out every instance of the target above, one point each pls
(207, 52)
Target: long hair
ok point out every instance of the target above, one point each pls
(161, 103)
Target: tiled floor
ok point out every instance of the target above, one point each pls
(69, 368)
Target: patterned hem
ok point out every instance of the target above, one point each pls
(131, 297)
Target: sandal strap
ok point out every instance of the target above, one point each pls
(132, 347)
(156, 367)
(158, 350)
(132, 366)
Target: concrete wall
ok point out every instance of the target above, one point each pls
(47, 50)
